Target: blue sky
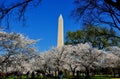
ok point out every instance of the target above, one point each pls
(42, 22)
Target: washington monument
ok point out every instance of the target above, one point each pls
(60, 41)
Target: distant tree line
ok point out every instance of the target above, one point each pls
(100, 37)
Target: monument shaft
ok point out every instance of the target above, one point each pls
(60, 32)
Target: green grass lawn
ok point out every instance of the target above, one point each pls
(69, 77)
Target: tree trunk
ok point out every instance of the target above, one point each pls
(2, 68)
(55, 72)
(78, 74)
(119, 72)
(87, 72)
(73, 73)
(113, 69)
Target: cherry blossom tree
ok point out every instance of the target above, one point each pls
(12, 44)
(112, 59)
(53, 60)
(86, 56)
(78, 57)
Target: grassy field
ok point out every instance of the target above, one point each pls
(70, 77)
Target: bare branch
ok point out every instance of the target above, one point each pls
(16, 9)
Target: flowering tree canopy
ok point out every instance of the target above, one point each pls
(12, 44)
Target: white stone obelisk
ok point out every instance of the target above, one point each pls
(60, 42)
